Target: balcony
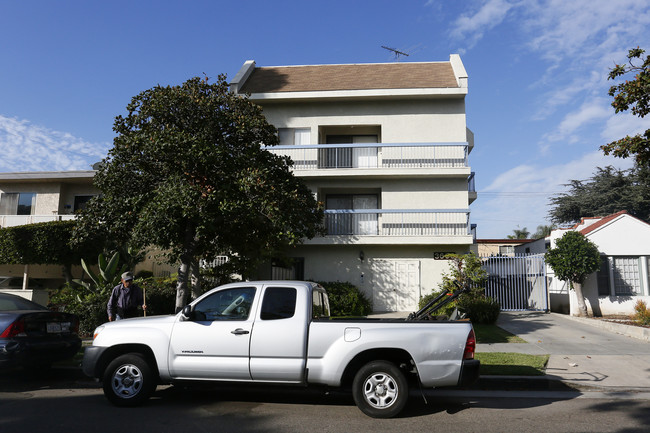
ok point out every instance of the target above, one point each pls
(19, 220)
(471, 187)
(396, 225)
(375, 156)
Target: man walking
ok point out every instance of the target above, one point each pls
(125, 299)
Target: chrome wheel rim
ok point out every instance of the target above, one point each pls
(127, 381)
(380, 390)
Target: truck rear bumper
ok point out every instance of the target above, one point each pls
(469, 372)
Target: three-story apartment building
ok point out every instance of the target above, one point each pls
(385, 148)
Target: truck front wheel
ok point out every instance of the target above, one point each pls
(128, 380)
(380, 389)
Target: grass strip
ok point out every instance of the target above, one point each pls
(512, 364)
(487, 334)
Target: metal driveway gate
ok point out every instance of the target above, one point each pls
(518, 283)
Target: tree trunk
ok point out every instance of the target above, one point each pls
(67, 274)
(582, 306)
(181, 285)
(184, 270)
(196, 280)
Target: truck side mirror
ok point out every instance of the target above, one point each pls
(186, 313)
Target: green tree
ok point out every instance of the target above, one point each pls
(608, 191)
(519, 234)
(188, 175)
(633, 95)
(573, 259)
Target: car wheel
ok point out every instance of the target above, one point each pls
(128, 380)
(380, 389)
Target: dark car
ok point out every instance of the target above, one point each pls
(33, 336)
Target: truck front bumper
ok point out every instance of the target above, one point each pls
(92, 354)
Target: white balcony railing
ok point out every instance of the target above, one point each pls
(379, 155)
(19, 220)
(383, 222)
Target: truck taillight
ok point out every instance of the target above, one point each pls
(470, 345)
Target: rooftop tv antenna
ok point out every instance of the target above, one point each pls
(397, 53)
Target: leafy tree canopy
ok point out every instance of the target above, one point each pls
(609, 190)
(188, 175)
(574, 257)
(633, 95)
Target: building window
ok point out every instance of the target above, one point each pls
(627, 281)
(80, 201)
(602, 276)
(294, 136)
(288, 269)
(506, 250)
(23, 203)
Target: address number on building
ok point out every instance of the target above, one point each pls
(440, 256)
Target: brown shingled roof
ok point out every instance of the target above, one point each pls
(350, 77)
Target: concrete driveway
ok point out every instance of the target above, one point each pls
(581, 352)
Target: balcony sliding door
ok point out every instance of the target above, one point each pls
(349, 157)
(352, 223)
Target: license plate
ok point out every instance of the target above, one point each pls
(54, 327)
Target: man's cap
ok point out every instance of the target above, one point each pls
(127, 276)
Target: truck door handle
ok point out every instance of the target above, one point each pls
(240, 331)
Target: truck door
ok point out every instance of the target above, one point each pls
(214, 343)
(279, 341)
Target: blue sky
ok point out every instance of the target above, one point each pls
(537, 101)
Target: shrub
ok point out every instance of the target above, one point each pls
(346, 299)
(642, 315)
(479, 309)
(90, 306)
(160, 295)
(447, 310)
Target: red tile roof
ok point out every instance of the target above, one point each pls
(599, 223)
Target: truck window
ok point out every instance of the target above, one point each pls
(278, 303)
(320, 305)
(230, 304)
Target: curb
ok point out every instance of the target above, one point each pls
(637, 332)
(543, 383)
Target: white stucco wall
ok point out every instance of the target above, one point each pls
(409, 121)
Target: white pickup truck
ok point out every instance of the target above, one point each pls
(280, 332)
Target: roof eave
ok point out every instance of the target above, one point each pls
(362, 94)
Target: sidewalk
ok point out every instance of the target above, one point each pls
(582, 352)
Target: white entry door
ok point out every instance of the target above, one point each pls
(396, 284)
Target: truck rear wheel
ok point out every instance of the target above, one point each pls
(380, 389)
(128, 380)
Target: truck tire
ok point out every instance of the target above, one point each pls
(128, 380)
(380, 389)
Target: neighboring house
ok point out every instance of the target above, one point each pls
(623, 278)
(501, 247)
(385, 148)
(34, 197)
